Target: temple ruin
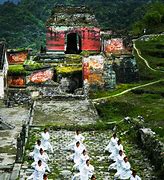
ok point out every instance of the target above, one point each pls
(79, 57)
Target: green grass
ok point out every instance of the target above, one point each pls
(73, 58)
(33, 65)
(145, 74)
(157, 87)
(119, 88)
(153, 51)
(68, 70)
(150, 106)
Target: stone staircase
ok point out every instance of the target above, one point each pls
(95, 141)
(4, 125)
(4, 176)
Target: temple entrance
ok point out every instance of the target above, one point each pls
(73, 45)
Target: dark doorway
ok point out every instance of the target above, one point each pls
(73, 44)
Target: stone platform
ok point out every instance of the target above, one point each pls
(69, 112)
(15, 117)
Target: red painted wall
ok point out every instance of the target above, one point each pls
(55, 41)
(90, 37)
(16, 81)
(17, 57)
(40, 76)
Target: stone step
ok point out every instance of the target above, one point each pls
(5, 176)
(4, 125)
(95, 141)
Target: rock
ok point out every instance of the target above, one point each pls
(66, 173)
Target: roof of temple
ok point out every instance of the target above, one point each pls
(72, 16)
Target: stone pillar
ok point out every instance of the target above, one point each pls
(19, 154)
(109, 76)
(23, 133)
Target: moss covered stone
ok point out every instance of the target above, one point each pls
(66, 70)
(17, 70)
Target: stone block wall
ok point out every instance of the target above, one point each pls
(17, 57)
(98, 73)
(153, 147)
(56, 38)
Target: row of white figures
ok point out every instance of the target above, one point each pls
(81, 159)
(40, 157)
(121, 163)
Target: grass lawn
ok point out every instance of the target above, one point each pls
(153, 51)
(150, 106)
(110, 92)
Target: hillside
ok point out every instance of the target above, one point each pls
(152, 49)
(14, 1)
(152, 20)
(23, 25)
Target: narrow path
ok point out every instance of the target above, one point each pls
(126, 91)
(139, 54)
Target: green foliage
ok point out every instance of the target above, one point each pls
(73, 59)
(152, 21)
(157, 87)
(16, 70)
(105, 93)
(23, 25)
(88, 53)
(20, 27)
(33, 65)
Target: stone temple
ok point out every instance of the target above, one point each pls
(78, 57)
(72, 30)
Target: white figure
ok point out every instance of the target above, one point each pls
(44, 158)
(124, 172)
(113, 141)
(118, 164)
(116, 150)
(36, 150)
(78, 137)
(78, 149)
(134, 176)
(38, 172)
(45, 140)
(82, 160)
(86, 171)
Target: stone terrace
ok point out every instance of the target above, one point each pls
(14, 116)
(64, 112)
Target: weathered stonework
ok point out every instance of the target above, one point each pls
(64, 111)
(98, 73)
(17, 56)
(72, 30)
(125, 67)
(154, 149)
